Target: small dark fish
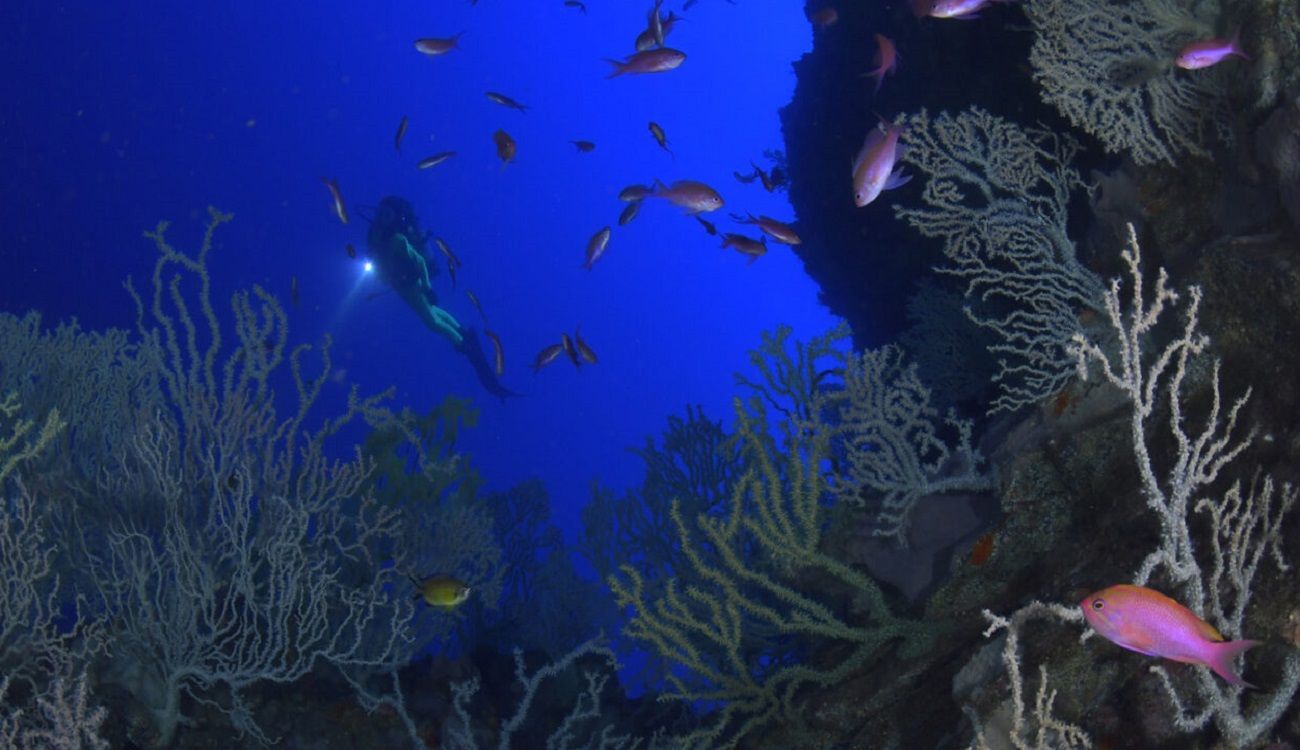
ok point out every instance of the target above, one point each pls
(401, 133)
(656, 24)
(293, 291)
(708, 225)
(505, 147)
(442, 591)
(768, 183)
(473, 298)
(340, 210)
(585, 147)
(584, 351)
(661, 138)
(547, 356)
(576, 4)
(629, 213)
(570, 350)
(746, 178)
(596, 247)
(635, 192)
(352, 251)
(433, 161)
(505, 101)
(749, 246)
(498, 353)
(433, 47)
(452, 260)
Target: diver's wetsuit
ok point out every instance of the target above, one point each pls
(398, 249)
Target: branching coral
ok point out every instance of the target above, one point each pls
(737, 620)
(1107, 65)
(998, 197)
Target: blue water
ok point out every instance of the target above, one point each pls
(118, 115)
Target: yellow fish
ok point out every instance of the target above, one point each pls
(442, 591)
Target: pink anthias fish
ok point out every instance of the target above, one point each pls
(886, 60)
(1148, 622)
(873, 169)
(1207, 52)
(960, 9)
(659, 60)
(694, 197)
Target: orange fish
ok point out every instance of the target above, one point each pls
(596, 247)
(777, 230)
(886, 60)
(873, 169)
(498, 353)
(695, 197)
(982, 550)
(1148, 622)
(547, 356)
(825, 18)
(433, 47)
(755, 249)
(340, 210)
(505, 147)
(648, 61)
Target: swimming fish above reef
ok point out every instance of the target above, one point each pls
(873, 169)
(649, 61)
(779, 231)
(505, 101)
(336, 197)
(434, 46)
(1207, 52)
(1148, 622)
(442, 591)
(505, 147)
(660, 137)
(961, 9)
(547, 356)
(596, 247)
(429, 162)
(584, 147)
(695, 197)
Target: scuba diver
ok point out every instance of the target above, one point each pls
(399, 251)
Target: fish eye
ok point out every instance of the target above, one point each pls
(1098, 604)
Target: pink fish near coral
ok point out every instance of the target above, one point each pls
(886, 60)
(873, 169)
(648, 61)
(964, 10)
(1148, 622)
(1207, 52)
(695, 197)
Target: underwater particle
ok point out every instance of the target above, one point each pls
(352, 251)
(1148, 622)
(505, 147)
(442, 591)
(586, 352)
(250, 122)
(336, 197)
(293, 291)
(779, 231)
(505, 101)
(1206, 52)
(401, 133)
(744, 245)
(695, 197)
(429, 162)
(629, 212)
(648, 61)
(547, 356)
(584, 147)
(660, 137)
(596, 247)
(873, 169)
(434, 46)
(498, 352)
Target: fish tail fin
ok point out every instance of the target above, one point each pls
(1223, 654)
(619, 68)
(1235, 45)
(922, 8)
(657, 186)
(879, 75)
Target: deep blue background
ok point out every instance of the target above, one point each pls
(117, 115)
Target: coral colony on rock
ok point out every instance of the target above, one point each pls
(1035, 489)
